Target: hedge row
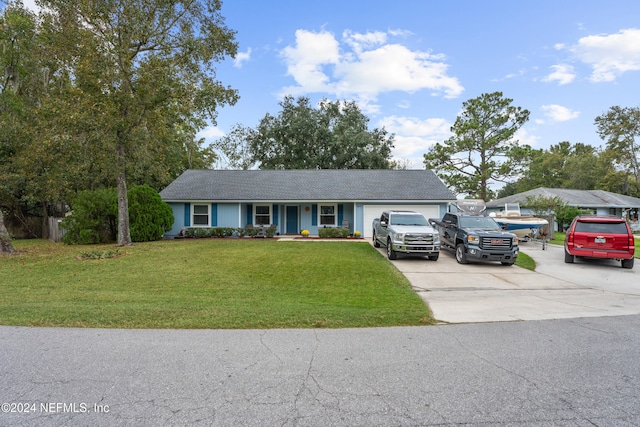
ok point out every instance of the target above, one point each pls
(206, 232)
(324, 233)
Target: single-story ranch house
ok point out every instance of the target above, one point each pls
(295, 200)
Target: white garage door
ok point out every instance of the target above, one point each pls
(374, 211)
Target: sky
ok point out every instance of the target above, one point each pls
(410, 64)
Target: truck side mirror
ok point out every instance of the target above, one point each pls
(383, 223)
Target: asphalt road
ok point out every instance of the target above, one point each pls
(582, 371)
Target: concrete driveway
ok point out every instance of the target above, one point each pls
(492, 292)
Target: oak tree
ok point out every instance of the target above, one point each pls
(335, 135)
(140, 70)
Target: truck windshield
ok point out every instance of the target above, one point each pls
(400, 219)
(481, 222)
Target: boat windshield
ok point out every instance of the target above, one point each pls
(481, 222)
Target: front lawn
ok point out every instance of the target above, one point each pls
(208, 283)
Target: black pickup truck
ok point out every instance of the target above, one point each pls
(476, 237)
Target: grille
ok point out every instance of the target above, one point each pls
(418, 239)
(495, 243)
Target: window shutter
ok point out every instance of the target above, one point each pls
(249, 213)
(314, 214)
(340, 214)
(214, 214)
(275, 214)
(187, 214)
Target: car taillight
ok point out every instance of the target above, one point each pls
(570, 237)
(631, 241)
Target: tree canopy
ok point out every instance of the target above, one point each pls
(483, 148)
(333, 136)
(127, 84)
(619, 128)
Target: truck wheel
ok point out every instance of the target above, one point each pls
(461, 255)
(627, 263)
(391, 254)
(568, 258)
(376, 244)
(434, 257)
(507, 263)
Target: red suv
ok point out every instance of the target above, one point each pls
(594, 236)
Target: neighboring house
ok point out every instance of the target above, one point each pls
(294, 200)
(599, 201)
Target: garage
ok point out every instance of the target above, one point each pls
(374, 211)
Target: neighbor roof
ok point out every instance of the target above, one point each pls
(578, 198)
(323, 184)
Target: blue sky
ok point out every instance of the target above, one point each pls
(410, 64)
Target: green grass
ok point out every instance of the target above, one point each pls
(208, 283)
(525, 261)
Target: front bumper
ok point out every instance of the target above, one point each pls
(480, 254)
(415, 249)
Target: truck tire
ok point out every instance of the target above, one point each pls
(507, 263)
(627, 263)
(568, 258)
(461, 254)
(434, 257)
(376, 244)
(391, 254)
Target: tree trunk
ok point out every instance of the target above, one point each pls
(124, 234)
(45, 221)
(6, 247)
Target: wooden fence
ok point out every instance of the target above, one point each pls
(55, 231)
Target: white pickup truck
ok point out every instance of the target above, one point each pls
(406, 232)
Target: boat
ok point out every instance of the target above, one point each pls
(524, 226)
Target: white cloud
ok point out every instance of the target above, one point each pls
(363, 67)
(558, 113)
(241, 58)
(210, 132)
(562, 73)
(414, 136)
(525, 138)
(305, 61)
(610, 55)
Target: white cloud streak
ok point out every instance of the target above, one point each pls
(609, 55)
(363, 66)
(562, 74)
(558, 113)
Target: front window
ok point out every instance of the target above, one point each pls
(328, 215)
(262, 215)
(201, 215)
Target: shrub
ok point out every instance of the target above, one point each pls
(149, 216)
(94, 218)
(95, 215)
(333, 232)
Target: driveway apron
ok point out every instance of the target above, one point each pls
(491, 292)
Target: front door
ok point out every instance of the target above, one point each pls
(292, 220)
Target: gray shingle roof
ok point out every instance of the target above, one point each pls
(324, 184)
(579, 198)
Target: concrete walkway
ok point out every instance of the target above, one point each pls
(492, 292)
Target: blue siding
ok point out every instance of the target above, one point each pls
(229, 215)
